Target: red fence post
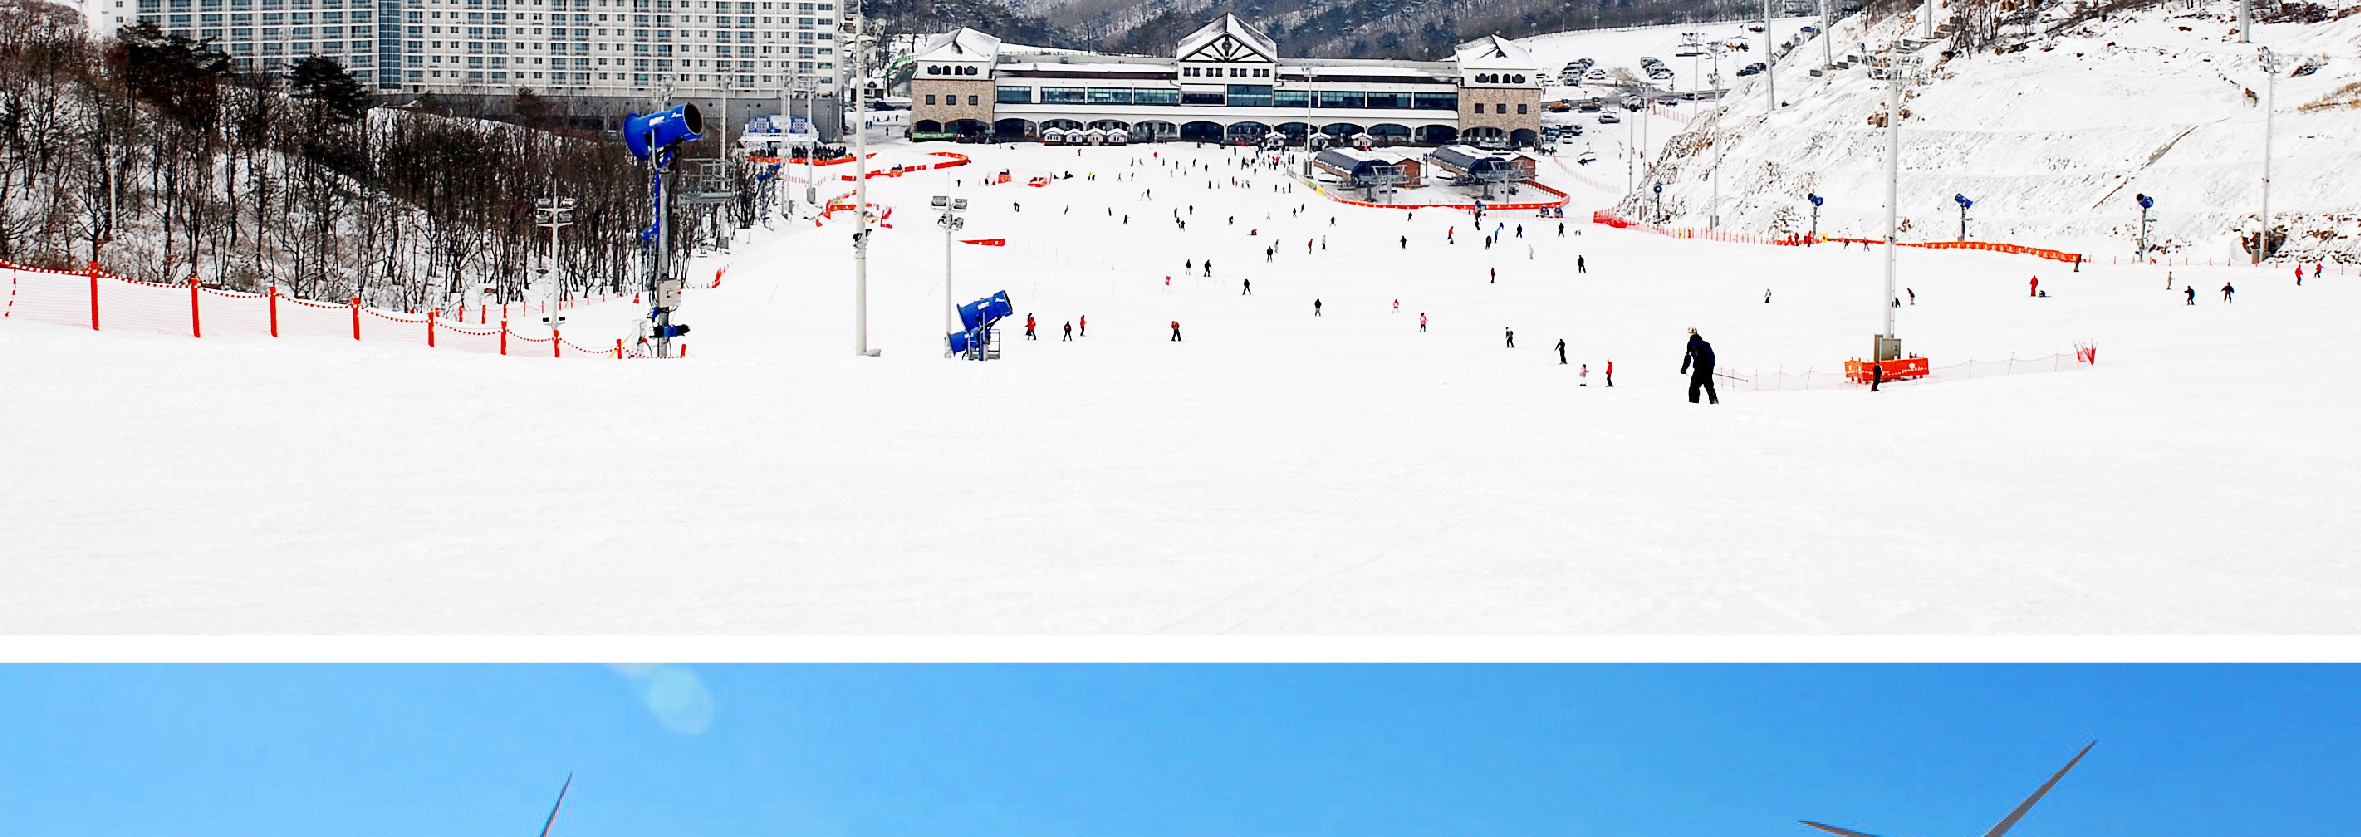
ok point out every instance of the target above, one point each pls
(356, 318)
(504, 337)
(196, 322)
(431, 314)
(618, 348)
(94, 296)
(557, 344)
(274, 300)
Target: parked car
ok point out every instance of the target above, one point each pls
(1751, 69)
(1810, 30)
(1609, 118)
(1596, 74)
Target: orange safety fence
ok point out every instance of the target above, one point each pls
(102, 302)
(1611, 219)
(955, 159)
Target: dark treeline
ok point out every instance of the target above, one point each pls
(147, 156)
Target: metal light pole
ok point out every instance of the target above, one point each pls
(1827, 39)
(1815, 198)
(2245, 20)
(811, 118)
(951, 223)
(2262, 241)
(1964, 203)
(857, 27)
(2145, 204)
(1770, 64)
(1713, 217)
(1889, 345)
(1927, 22)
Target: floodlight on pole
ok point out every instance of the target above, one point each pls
(2262, 240)
(1964, 203)
(951, 223)
(1888, 344)
(857, 28)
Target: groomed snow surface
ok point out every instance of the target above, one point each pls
(1276, 472)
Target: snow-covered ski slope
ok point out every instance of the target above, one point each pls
(2052, 143)
(1622, 49)
(1274, 473)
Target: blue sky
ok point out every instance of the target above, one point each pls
(1176, 751)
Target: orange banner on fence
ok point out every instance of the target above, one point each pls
(988, 242)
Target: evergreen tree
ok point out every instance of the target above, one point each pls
(324, 81)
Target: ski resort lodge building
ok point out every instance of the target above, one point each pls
(1226, 83)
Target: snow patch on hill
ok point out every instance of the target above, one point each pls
(2051, 142)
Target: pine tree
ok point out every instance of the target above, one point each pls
(325, 81)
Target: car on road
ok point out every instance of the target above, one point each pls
(1751, 69)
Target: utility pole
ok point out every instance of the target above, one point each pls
(2245, 21)
(2262, 242)
(1927, 22)
(858, 28)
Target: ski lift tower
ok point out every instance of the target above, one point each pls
(1386, 180)
(553, 212)
(708, 186)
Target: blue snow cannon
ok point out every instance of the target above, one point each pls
(1815, 199)
(977, 318)
(2147, 202)
(645, 134)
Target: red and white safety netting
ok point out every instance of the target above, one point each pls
(1821, 379)
(106, 303)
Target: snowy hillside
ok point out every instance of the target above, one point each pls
(1373, 468)
(2051, 142)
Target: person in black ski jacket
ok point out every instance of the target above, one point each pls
(1698, 363)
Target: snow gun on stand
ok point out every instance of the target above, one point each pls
(979, 341)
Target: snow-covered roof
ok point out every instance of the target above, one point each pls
(1247, 42)
(962, 44)
(1493, 52)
